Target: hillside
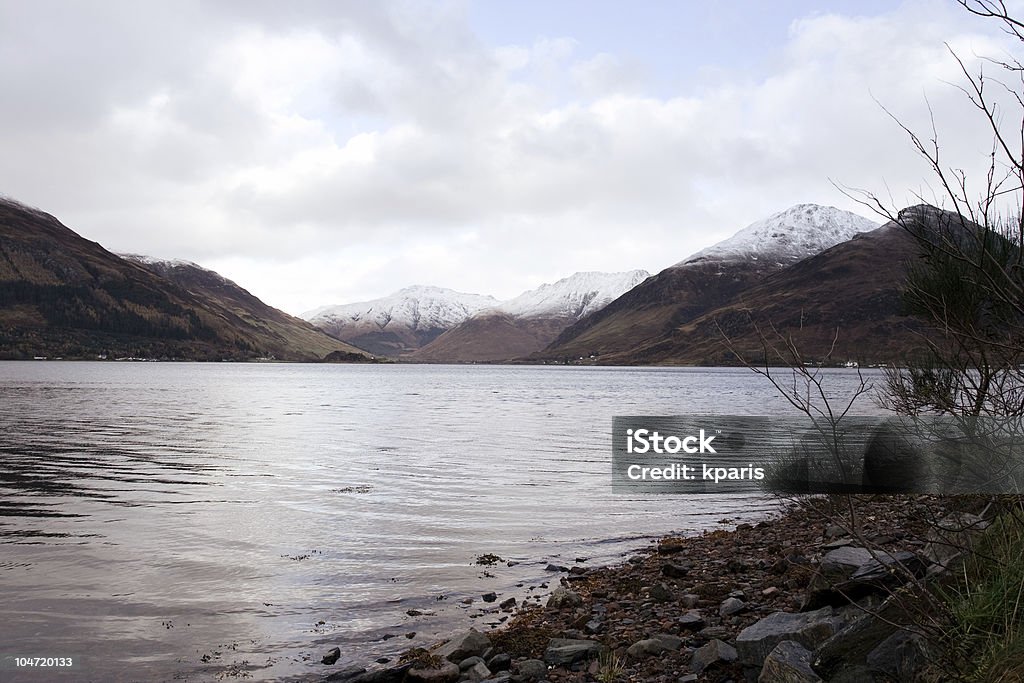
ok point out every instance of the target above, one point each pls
(855, 288)
(708, 279)
(64, 296)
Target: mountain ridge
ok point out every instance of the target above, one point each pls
(62, 295)
(703, 281)
(529, 322)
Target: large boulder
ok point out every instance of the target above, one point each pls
(841, 563)
(839, 582)
(851, 645)
(809, 629)
(788, 662)
(465, 644)
(903, 656)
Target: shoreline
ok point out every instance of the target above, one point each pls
(652, 617)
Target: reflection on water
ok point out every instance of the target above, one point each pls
(211, 520)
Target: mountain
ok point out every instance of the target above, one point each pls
(402, 322)
(62, 295)
(708, 279)
(295, 336)
(530, 321)
(786, 237)
(854, 289)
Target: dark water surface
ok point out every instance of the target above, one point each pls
(236, 521)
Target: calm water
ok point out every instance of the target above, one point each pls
(222, 521)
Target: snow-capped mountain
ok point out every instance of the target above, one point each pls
(643, 320)
(401, 322)
(573, 297)
(418, 307)
(530, 321)
(787, 237)
(165, 267)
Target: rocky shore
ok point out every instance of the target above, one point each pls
(801, 598)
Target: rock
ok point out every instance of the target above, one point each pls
(533, 669)
(691, 621)
(645, 648)
(469, 662)
(346, 674)
(788, 662)
(446, 673)
(489, 597)
(469, 643)
(332, 657)
(712, 653)
(394, 674)
(902, 656)
(567, 651)
(659, 592)
(556, 568)
(687, 678)
(709, 632)
(508, 604)
(593, 626)
(654, 645)
(884, 569)
(563, 597)
(731, 606)
(850, 645)
(675, 570)
(689, 601)
(770, 592)
(841, 580)
(670, 546)
(809, 629)
(501, 678)
(500, 662)
(834, 531)
(670, 641)
(477, 672)
(844, 561)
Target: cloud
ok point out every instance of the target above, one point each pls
(324, 152)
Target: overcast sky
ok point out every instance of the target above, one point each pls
(329, 152)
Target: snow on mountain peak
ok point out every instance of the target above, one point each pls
(417, 307)
(164, 266)
(575, 296)
(788, 236)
